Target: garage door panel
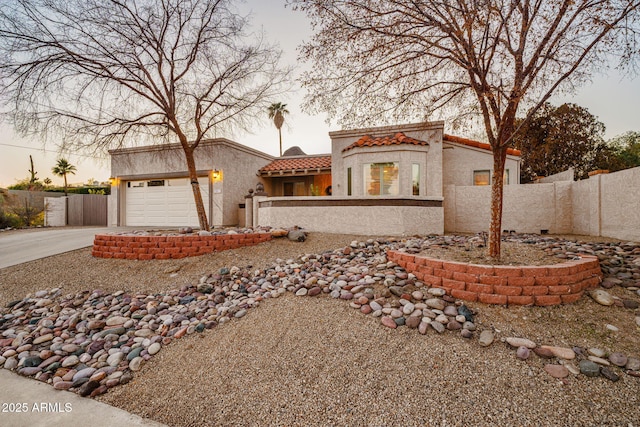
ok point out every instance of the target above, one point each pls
(169, 205)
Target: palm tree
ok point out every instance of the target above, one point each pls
(277, 112)
(62, 168)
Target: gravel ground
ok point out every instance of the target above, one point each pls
(302, 361)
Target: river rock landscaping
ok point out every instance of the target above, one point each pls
(92, 341)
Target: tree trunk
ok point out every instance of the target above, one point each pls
(197, 194)
(65, 183)
(280, 135)
(497, 190)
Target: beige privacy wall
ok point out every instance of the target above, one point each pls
(603, 205)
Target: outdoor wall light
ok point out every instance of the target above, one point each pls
(216, 175)
(114, 181)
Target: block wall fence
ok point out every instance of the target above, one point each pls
(170, 247)
(525, 285)
(603, 205)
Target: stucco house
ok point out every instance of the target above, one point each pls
(398, 171)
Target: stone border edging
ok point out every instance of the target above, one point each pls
(502, 284)
(170, 247)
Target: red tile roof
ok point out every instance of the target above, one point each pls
(397, 139)
(292, 164)
(476, 144)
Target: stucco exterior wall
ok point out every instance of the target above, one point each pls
(238, 164)
(429, 156)
(460, 161)
(401, 220)
(604, 205)
(526, 208)
(561, 176)
(620, 204)
(584, 206)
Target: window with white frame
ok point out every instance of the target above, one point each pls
(415, 179)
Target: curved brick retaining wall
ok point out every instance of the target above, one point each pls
(170, 247)
(525, 285)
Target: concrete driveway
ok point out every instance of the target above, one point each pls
(28, 245)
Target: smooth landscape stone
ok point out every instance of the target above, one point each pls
(609, 374)
(408, 308)
(466, 333)
(439, 327)
(463, 310)
(29, 371)
(436, 303)
(423, 327)
(597, 352)
(599, 360)
(314, 291)
(601, 297)
(70, 361)
(395, 313)
(618, 359)
(154, 348)
(523, 353)
(454, 325)
(571, 367)
(631, 304)
(62, 385)
(96, 324)
(42, 339)
(450, 310)
(388, 322)
(136, 363)
(589, 368)
(302, 292)
(88, 387)
(441, 318)
(413, 322)
(486, 338)
(83, 373)
(556, 371)
(375, 306)
(32, 361)
(115, 359)
(543, 352)
(561, 352)
(633, 364)
(438, 292)
(70, 348)
(116, 320)
(520, 342)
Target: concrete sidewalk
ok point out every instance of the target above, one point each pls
(25, 402)
(30, 403)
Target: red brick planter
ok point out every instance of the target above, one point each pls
(524, 285)
(170, 247)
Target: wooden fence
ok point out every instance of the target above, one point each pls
(87, 209)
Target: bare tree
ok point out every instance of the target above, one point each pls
(382, 60)
(104, 73)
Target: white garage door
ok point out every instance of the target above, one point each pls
(163, 202)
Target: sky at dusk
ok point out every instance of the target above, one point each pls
(612, 99)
